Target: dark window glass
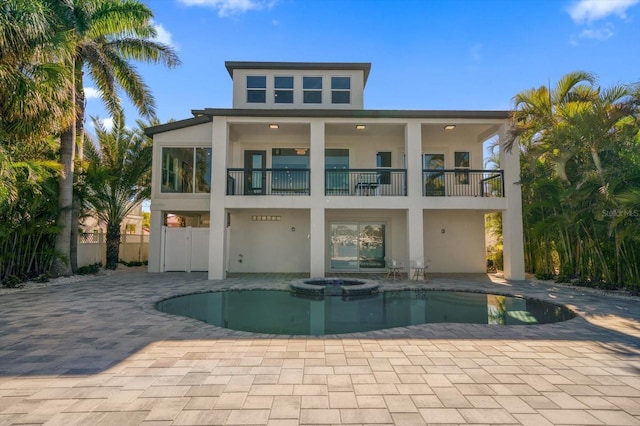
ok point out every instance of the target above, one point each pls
(312, 97)
(383, 159)
(256, 82)
(284, 96)
(178, 170)
(336, 163)
(340, 97)
(283, 82)
(312, 90)
(203, 169)
(462, 159)
(290, 179)
(290, 158)
(336, 158)
(462, 162)
(256, 96)
(312, 83)
(341, 83)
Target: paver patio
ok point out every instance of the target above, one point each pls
(96, 352)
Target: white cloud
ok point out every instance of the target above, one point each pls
(91, 93)
(231, 7)
(106, 122)
(597, 34)
(593, 10)
(162, 35)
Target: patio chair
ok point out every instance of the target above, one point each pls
(420, 266)
(395, 268)
(368, 183)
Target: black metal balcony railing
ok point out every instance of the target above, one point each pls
(463, 183)
(268, 182)
(366, 182)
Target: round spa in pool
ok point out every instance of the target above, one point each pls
(287, 313)
(334, 287)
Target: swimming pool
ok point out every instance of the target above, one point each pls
(286, 313)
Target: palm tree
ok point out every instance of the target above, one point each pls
(33, 107)
(106, 35)
(33, 82)
(577, 150)
(117, 177)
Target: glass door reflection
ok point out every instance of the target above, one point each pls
(357, 246)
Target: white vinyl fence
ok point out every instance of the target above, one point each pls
(92, 248)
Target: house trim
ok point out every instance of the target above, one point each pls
(365, 67)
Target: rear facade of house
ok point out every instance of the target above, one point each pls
(297, 177)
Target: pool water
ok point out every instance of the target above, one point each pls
(283, 312)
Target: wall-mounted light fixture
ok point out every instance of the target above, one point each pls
(274, 126)
(360, 126)
(450, 127)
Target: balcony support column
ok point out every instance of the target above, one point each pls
(217, 211)
(512, 232)
(415, 235)
(415, 226)
(317, 238)
(413, 150)
(155, 241)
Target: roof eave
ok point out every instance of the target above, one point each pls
(356, 113)
(180, 124)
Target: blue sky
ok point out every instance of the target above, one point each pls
(425, 54)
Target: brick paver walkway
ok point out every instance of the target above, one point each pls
(97, 353)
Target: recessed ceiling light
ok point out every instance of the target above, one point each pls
(361, 126)
(450, 127)
(274, 126)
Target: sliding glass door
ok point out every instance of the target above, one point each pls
(357, 246)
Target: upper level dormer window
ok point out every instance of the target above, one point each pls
(340, 90)
(283, 90)
(312, 90)
(256, 89)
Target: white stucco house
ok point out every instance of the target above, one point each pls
(299, 177)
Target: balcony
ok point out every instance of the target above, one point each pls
(366, 182)
(462, 183)
(268, 182)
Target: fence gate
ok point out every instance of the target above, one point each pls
(185, 249)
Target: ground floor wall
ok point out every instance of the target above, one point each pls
(454, 240)
(280, 240)
(268, 241)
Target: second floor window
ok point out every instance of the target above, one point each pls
(256, 89)
(340, 90)
(186, 170)
(284, 90)
(462, 164)
(383, 161)
(312, 90)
